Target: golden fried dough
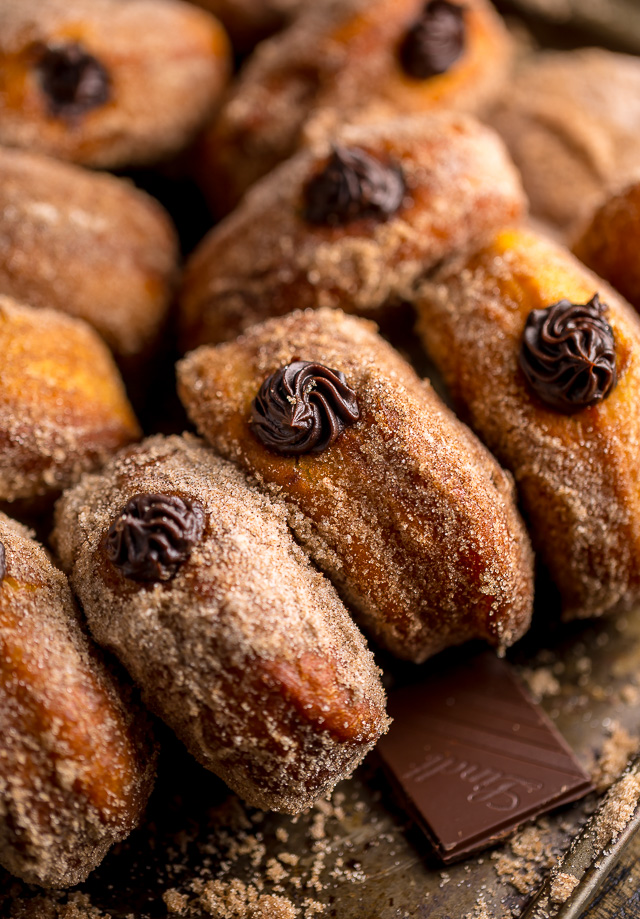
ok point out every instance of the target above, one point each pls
(63, 408)
(571, 121)
(76, 755)
(609, 239)
(108, 83)
(193, 578)
(340, 58)
(353, 225)
(569, 430)
(397, 502)
(89, 245)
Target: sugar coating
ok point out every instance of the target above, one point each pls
(407, 513)
(63, 408)
(606, 242)
(247, 653)
(167, 63)
(265, 259)
(87, 244)
(76, 757)
(576, 474)
(571, 121)
(337, 59)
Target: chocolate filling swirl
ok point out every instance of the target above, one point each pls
(435, 42)
(302, 408)
(568, 354)
(353, 185)
(73, 80)
(153, 535)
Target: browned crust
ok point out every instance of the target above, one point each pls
(265, 259)
(76, 756)
(338, 58)
(86, 244)
(247, 653)
(407, 513)
(63, 408)
(571, 121)
(168, 63)
(576, 474)
(608, 242)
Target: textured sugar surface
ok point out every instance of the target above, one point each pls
(576, 474)
(77, 763)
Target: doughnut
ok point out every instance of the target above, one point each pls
(63, 408)
(340, 58)
(542, 359)
(77, 758)
(192, 577)
(108, 83)
(571, 121)
(607, 242)
(392, 497)
(87, 244)
(352, 225)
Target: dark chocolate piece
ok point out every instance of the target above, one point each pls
(154, 535)
(474, 757)
(3, 562)
(568, 354)
(352, 186)
(73, 80)
(435, 42)
(302, 408)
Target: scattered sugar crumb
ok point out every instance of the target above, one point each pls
(616, 751)
(562, 886)
(541, 683)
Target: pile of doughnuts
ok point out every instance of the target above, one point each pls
(227, 578)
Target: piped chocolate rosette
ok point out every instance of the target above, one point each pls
(303, 408)
(568, 354)
(543, 359)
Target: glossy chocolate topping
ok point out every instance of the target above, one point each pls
(153, 535)
(435, 41)
(3, 562)
(353, 185)
(73, 80)
(568, 354)
(303, 408)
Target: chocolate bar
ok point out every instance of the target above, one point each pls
(474, 757)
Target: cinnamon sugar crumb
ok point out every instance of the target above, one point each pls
(616, 751)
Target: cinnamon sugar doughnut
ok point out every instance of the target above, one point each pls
(608, 242)
(89, 245)
(107, 83)
(571, 121)
(76, 755)
(557, 403)
(63, 408)
(192, 577)
(392, 497)
(340, 58)
(351, 225)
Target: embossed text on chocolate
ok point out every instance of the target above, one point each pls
(500, 791)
